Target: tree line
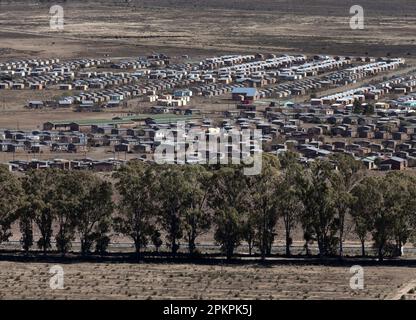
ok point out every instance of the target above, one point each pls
(174, 205)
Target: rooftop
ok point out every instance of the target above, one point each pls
(247, 91)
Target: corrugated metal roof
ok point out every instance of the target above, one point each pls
(247, 91)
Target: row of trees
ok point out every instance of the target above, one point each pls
(154, 204)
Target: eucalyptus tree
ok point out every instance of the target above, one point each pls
(261, 201)
(367, 201)
(248, 233)
(196, 214)
(11, 193)
(40, 192)
(383, 218)
(229, 230)
(347, 175)
(26, 216)
(228, 199)
(402, 190)
(136, 185)
(70, 191)
(93, 213)
(319, 218)
(174, 198)
(289, 202)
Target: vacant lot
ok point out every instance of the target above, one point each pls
(188, 281)
(200, 26)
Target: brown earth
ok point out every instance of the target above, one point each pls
(189, 281)
(201, 27)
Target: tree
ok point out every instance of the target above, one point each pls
(348, 174)
(197, 218)
(319, 217)
(357, 107)
(228, 199)
(368, 109)
(137, 186)
(289, 203)
(261, 201)
(367, 200)
(25, 214)
(228, 232)
(173, 197)
(403, 213)
(156, 240)
(70, 189)
(383, 220)
(40, 192)
(93, 214)
(247, 231)
(102, 238)
(287, 159)
(11, 192)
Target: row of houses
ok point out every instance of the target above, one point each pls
(371, 92)
(303, 85)
(18, 141)
(385, 140)
(392, 144)
(109, 89)
(38, 74)
(176, 76)
(105, 165)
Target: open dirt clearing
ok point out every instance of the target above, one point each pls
(188, 281)
(198, 26)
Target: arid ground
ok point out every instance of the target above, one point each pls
(124, 28)
(189, 281)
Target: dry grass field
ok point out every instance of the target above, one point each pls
(189, 281)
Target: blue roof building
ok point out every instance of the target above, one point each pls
(247, 93)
